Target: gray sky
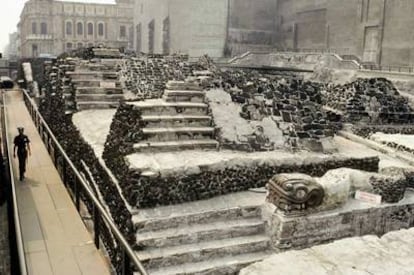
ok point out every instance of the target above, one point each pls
(10, 15)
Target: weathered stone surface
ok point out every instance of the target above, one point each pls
(353, 219)
(363, 255)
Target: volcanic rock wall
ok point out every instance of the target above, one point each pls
(373, 100)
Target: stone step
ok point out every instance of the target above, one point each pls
(90, 105)
(98, 90)
(85, 75)
(176, 145)
(202, 251)
(160, 107)
(175, 118)
(199, 217)
(183, 96)
(178, 133)
(182, 85)
(222, 265)
(99, 97)
(201, 232)
(95, 83)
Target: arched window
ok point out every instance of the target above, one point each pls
(68, 46)
(101, 29)
(43, 28)
(79, 28)
(122, 32)
(34, 28)
(80, 45)
(90, 28)
(69, 30)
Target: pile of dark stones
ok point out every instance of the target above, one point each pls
(374, 100)
(391, 189)
(146, 76)
(300, 103)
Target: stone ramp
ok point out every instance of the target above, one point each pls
(215, 236)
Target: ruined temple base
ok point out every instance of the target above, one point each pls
(356, 218)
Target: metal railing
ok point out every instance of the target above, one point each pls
(80, 189)
(388, 68)
(16, 215)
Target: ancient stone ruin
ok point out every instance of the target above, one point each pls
(182, 153)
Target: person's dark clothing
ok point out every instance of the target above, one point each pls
(21, 142)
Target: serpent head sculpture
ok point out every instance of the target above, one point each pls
(294, 193)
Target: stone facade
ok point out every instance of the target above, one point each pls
(193, 27)
(374, 31)
(49, 27)
(196, 27)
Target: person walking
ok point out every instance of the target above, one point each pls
(22, 146)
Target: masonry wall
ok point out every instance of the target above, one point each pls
(374, 31)
(196, 27)
(314, 229)
(251, 25)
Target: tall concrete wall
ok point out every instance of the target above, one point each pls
(196, 27)
(251, 25)
(375, 31)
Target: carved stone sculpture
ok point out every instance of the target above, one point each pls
(295, 193)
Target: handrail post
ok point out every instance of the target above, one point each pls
(126, 267)
(96, 225)
(77, 194)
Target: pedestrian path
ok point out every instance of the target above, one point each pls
(55, 239)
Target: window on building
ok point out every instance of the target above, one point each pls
(69, 30)
(35, 50)
(43, 28)
(79, 28)
(34, 28)
(80, 45)
(122, 32)
(90, 45)
(101, 29)
(68, 46)
(90, 29)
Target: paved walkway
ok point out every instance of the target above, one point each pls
(55, 239)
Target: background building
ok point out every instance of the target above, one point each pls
(374, 31)
(51, 27)
(12, 49)
(197, 27)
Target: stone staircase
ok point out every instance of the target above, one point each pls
(96, 86)
(180, 120)
(218, 241)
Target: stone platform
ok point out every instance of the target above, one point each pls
(355, 218)
(215, 236)
(390, 254)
